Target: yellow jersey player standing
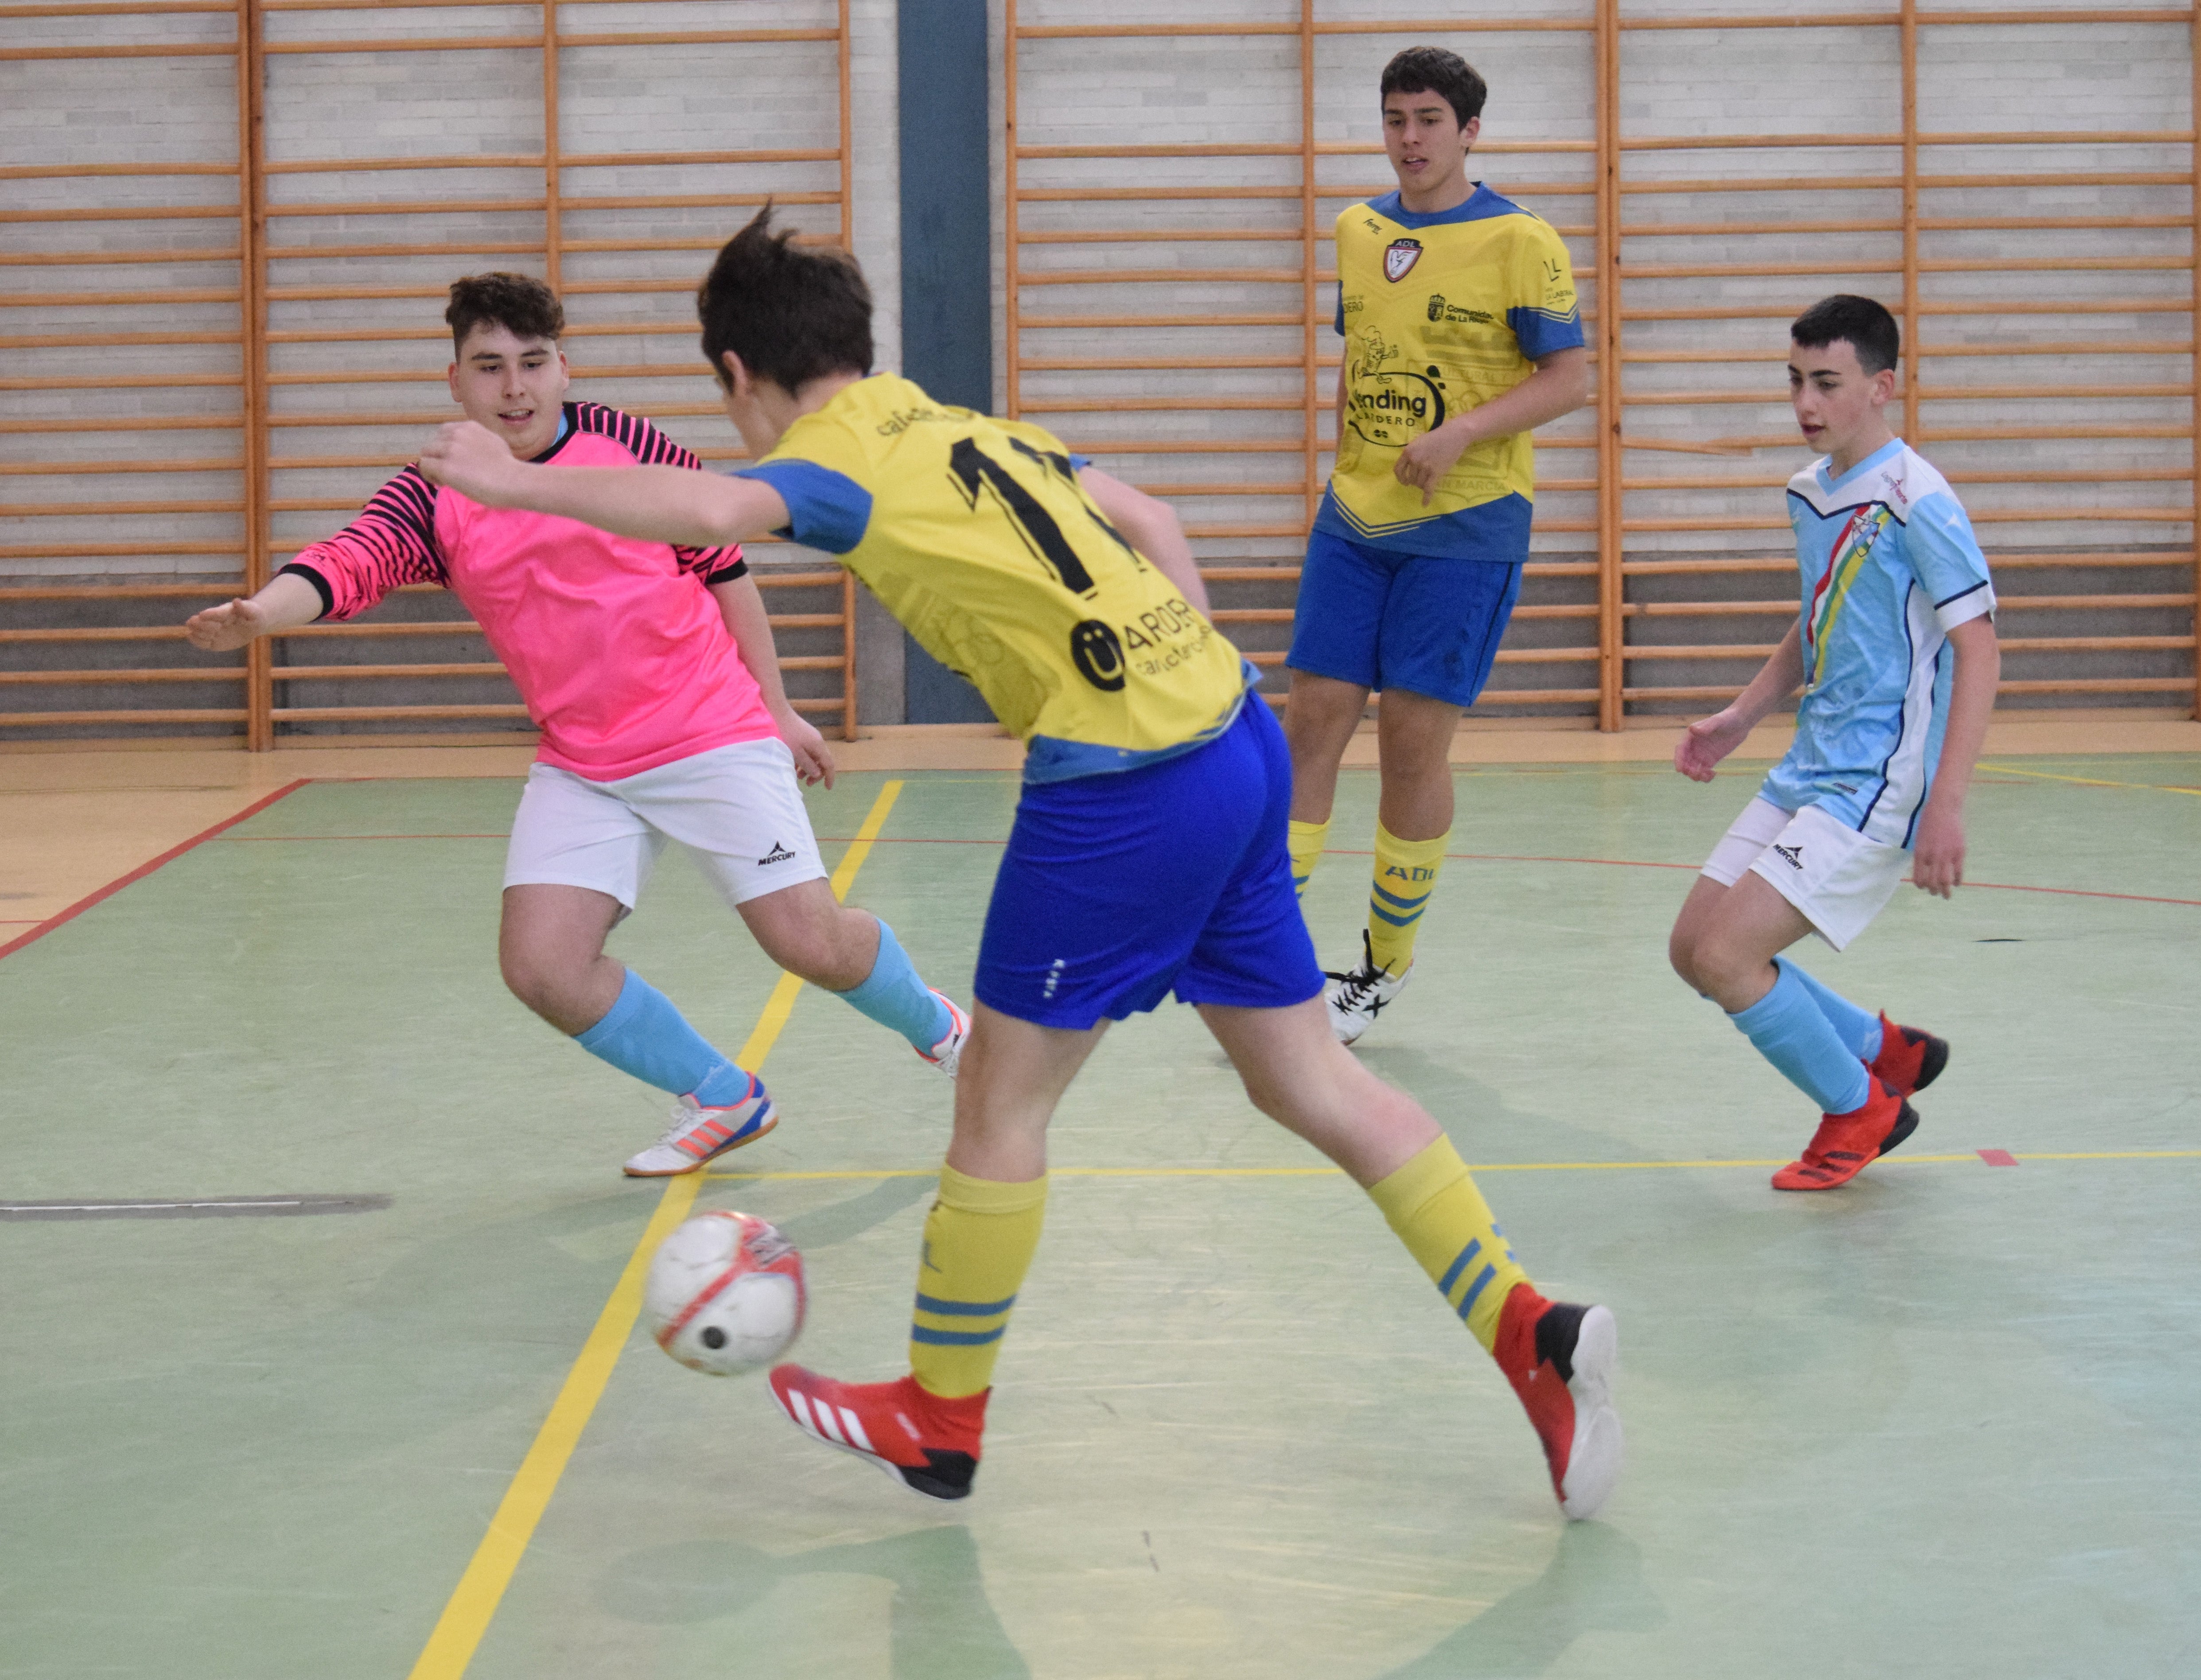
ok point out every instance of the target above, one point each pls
(1147, 858)
(1461, 335)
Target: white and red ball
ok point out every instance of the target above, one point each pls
(725, 1293)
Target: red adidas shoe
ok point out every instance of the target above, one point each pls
(1908, 1060)
(1845, 1144)
(1560, 1359)
(928, 1444)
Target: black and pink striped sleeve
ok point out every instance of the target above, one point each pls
(391, 543)
(652, 448)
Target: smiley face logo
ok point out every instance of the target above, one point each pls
(1098, 655)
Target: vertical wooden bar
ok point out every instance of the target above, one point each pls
(1012, 294)
(845, 49)
(1611, 583)
(1310, 242)
(554, 232)
(848, 655)
(1911, 367)
(252, 290)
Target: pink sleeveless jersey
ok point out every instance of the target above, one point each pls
(617, 645)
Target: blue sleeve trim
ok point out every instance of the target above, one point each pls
(1542, 333)
(1341, 311)
(1079, 463)
(826, 509)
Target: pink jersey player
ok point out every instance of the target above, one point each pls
(649, 669)
(617, 646)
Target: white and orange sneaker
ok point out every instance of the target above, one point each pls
(700, 1134)
(928, 1444)
(949, 1051)
(1560, 1359)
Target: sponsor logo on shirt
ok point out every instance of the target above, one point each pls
(1400, 258)
(1098, 654)
(779, 854)
(1441, 311)
(1791, 855)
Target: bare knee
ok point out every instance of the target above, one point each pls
(809, 933)
(1682, 953)
(554, 988)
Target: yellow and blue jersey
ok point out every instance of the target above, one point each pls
(974, 533)
(1441, 313)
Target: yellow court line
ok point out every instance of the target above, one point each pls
(2088, 781)
(466, 1615)
(1473, 1166)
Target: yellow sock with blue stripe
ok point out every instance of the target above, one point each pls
(1439, 1214)
(978, 1243)
(1406, 876)
(1306, 842)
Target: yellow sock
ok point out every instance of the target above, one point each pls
(1306, 843)
(1406, 876)
(978, 1243)
(1433, 1204)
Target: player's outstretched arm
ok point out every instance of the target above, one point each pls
(1709, 740)
(741, 604)
(659, 504)
(1151, 527)
(288, 601)
(1937, 863)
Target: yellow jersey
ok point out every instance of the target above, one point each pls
(1441, 313)
(975, 534)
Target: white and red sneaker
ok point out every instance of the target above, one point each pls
(1560, 1359)
(928, 1444)
(699, 1135)
(949, 1051)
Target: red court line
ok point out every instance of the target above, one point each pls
(144, 869)
(1465, 857)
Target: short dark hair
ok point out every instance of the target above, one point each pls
(1434, 70)
(519, 302)
(1871, 331)
(792, 316)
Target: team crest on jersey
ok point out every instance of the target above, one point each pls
(1400, 257)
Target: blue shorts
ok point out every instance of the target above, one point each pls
(1383, 620)
(1117, 888)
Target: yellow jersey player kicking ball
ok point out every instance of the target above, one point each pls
(1072, 602)
(1461, 334)
(1895, 647)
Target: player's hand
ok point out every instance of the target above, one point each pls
(1706, 741)
(813, 763)
(225, 628)
(1422, 463)
(471, 459)
(1937, 864)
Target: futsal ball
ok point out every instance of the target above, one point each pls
(725, 1293)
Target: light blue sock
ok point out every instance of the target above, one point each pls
(1859, 1028)
(893, 995)
(1790, 1032)
(643, 1034)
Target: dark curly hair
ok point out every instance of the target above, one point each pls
(519, 302)
(791, 314)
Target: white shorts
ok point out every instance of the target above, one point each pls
(1839, 879)
(738, 809)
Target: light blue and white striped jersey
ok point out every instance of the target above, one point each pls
(1889, 567)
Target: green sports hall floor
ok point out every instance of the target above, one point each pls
(1941, 1422)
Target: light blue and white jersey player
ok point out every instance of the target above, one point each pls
(1889, 567)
